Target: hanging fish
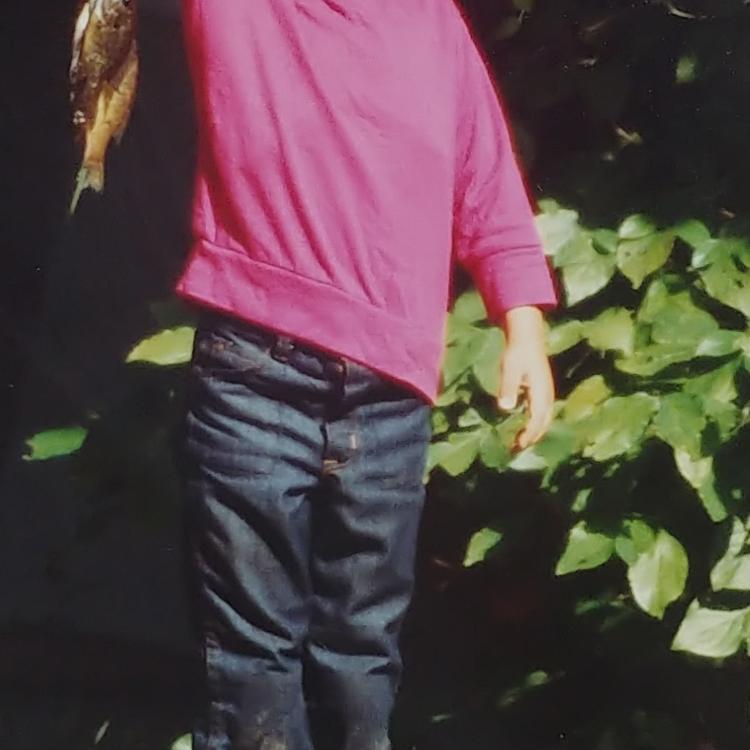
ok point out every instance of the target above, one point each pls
(103, 81)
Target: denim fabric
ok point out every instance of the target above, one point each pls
(303, 490)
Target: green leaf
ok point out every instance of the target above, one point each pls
(486, 362)
(726, 416)
(658, 576)
(680, 422)
(699, 473)
(676, 327)
(727, 278)
(557, 446)
(530, 682)
(495, 448)
(585, 399)
(718, 385)
(528, 460)
(557, 227)
(713, 250)
(692, 232)
(461, 352)
(457, 329)
(702, 254)
(101, 732)
(732, 571)
(565, 336)
(650, 360)
(613, 330)
(172, 346)
(686, 70)
(618, 426)
(726, 284)
(478, 350)
(639, 258)
(182, 743)
(470, 418)
(711, 632)
(640, 533)
(674, 318)
(605, 240)
(440, 422)
(55, 443)
(585, 550)
(561, 441)
(448, 396)
(581, 500)
(635, 227)
(719, 344)
(625, 549)
(585, 271)
(695, 470)
(712, 501)
(469, 307)
(456, 454)
(480, 545)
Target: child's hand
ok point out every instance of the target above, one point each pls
(526, 374)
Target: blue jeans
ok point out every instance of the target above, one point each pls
(303, 489)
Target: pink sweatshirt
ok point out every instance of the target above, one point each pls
(349, 152)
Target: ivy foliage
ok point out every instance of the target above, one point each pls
(665, 369)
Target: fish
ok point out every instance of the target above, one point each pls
(103, 79)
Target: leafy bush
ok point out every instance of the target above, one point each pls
(646, 458)
(655, 384)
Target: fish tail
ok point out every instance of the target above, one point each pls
(89, 176)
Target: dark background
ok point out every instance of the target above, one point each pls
(90, 628)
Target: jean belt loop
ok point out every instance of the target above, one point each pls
(335, 367)
(282, 347)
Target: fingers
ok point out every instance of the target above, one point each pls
(525, 372)
(541, 405)
(511, 381)
(536, 428)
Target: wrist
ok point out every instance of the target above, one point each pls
(524, 325)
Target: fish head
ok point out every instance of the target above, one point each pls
(102, 9)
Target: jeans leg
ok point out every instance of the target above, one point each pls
(365, 523)
(250, 460)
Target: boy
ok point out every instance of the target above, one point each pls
(349, 151)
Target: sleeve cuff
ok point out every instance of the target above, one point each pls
(515, 279)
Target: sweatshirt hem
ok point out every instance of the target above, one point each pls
(315, 312)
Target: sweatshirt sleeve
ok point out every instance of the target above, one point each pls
(495, 237)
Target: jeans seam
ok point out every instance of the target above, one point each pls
(213, 724)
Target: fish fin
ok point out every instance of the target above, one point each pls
(89, 176)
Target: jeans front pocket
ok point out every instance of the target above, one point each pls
(227, 352)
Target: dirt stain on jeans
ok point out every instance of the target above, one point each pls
(260, 737)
